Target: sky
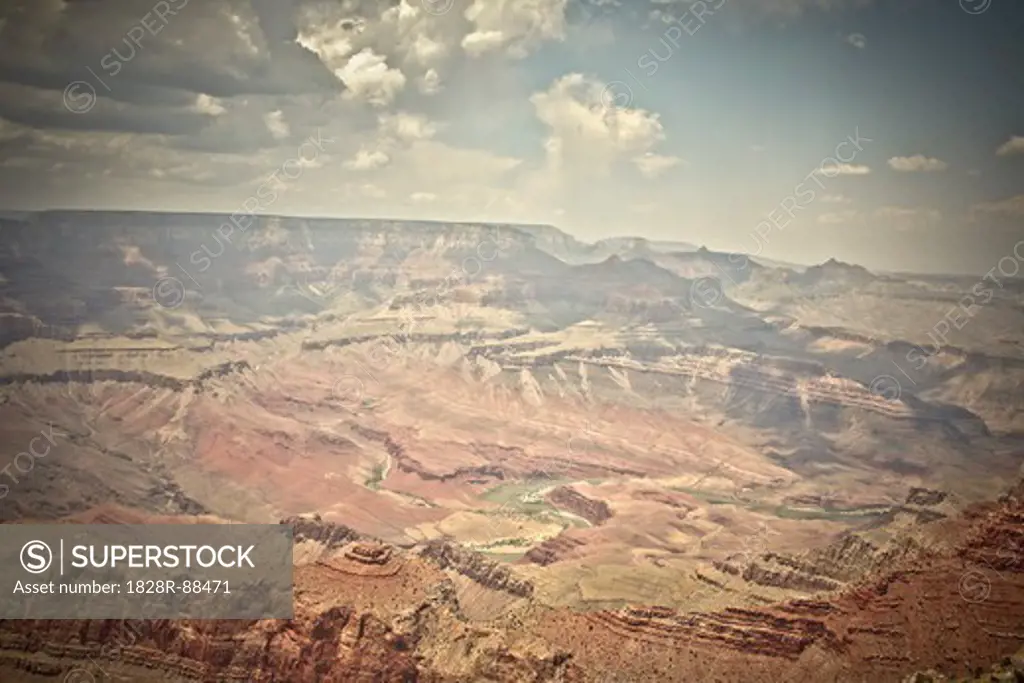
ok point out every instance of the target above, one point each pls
(888, 133)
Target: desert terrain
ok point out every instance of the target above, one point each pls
(620, 461)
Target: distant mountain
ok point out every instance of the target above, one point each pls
(729, 268)
(571, 250)
(561, 245)
(835, 272)
(637, 247)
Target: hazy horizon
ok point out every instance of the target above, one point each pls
(669, 120)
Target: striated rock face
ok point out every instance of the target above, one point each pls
(139, 377)
(845, 559)
(828, 568)
(369, 553)
(330, 534)
(778, 575)
(568, 498)
(335, 645)
(553, 549)
(476, 567)
(375, 613)
(947, 609)
(925, 497)
(750, 631)
(745, 371)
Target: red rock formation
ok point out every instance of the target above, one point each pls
(554, 549)
(568, 498)
(951, 610)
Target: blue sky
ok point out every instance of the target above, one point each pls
(544, 111)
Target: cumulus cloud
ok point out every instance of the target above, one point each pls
(652, 165)
(517, 26)
(481, 42)
(395, 131)
(1015, 145)
(857, 40)
(205, 104)
(369, 78)
(435, 114)
(277, 125)
(229, 89)
(583, 129)
(405, 127)
(367, 160)
(917, 163)
(430, 82)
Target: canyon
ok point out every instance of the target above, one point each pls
(508, 461)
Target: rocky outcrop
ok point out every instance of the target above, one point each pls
(752, 632)
(913, 613)
(553, 549)
(150, 379)
(925, 497)
(764, 572)
(331, 535)
(100, 375)
(847, 558)
(750, 372)
(364, 559)
(336, 645)
(476, 567)
(369, 553)
(567, 498)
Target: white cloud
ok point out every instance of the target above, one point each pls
(833, 170)
(430, 82)
(917, 163)
(444, 165)
(857, 40)
(367, 160)
(368, 78)
(426, 50)
(835, 199)
(329, 41)
(652, 165)
(423, 197)
(276, 124)
(586, 132)
(516, 25)
(206, 104)
(481, 42)
(395, 132)
(1015, 145)
(1012, 206)
(406, 127)
(838, 217)
(368, 190)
